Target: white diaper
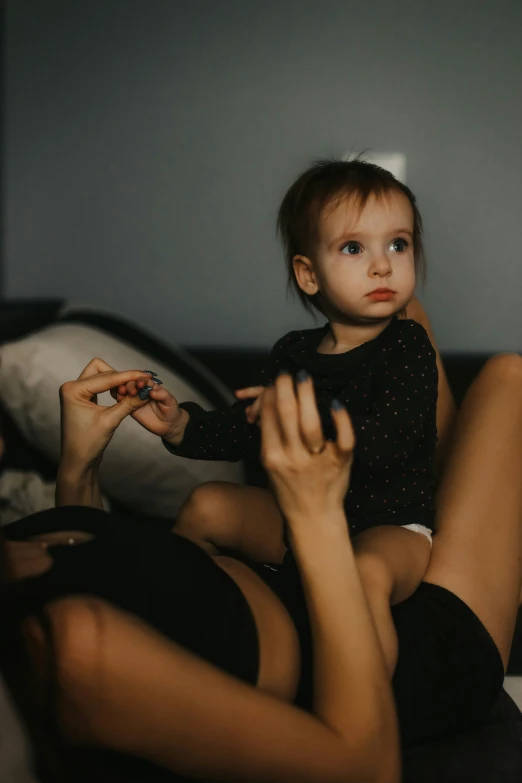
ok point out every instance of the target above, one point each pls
(424, 531)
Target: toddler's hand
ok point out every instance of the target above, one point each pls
(162, 416)
(252, 392)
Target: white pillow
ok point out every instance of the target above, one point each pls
(137, 470)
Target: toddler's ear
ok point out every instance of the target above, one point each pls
(305, 275)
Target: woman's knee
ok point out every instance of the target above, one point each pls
(506, 367)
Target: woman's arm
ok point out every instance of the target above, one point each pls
(446, 408)
(125, 687)
(352, 691)
(87, 429)
(77, 485)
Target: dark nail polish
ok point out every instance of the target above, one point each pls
(302, 376)
(282, 372)
(335, 405)
(157, 380)
(149, 372)
(143, 394)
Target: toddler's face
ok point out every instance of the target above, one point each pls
(357, 255)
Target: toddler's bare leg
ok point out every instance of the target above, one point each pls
(221, 515)
(392, 562)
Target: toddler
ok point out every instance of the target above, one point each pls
(352, 238)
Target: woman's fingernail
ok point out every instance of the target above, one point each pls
(157, 380)
(144, 393)
(302, 376)
(149, 372)
(282, 372)
(335, 405)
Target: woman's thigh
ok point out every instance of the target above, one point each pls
(477, 550)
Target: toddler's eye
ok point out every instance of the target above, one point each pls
(399, 245)
(351, 249)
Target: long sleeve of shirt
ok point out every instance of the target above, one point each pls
(225, 435)
(405, 397)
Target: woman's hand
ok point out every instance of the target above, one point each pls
(26, 559)
(87, 427)
(309, 475)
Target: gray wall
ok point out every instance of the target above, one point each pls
(148, 145)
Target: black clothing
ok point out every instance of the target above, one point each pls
(449, 670)
(389, 387)
(161, 577)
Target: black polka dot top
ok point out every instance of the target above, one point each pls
(389, 387)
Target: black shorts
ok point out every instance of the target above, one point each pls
(449, 672)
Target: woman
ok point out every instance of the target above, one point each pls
(102, 654)
(154, 701)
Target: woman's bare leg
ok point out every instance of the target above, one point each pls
(446, 408)
(477, 551)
